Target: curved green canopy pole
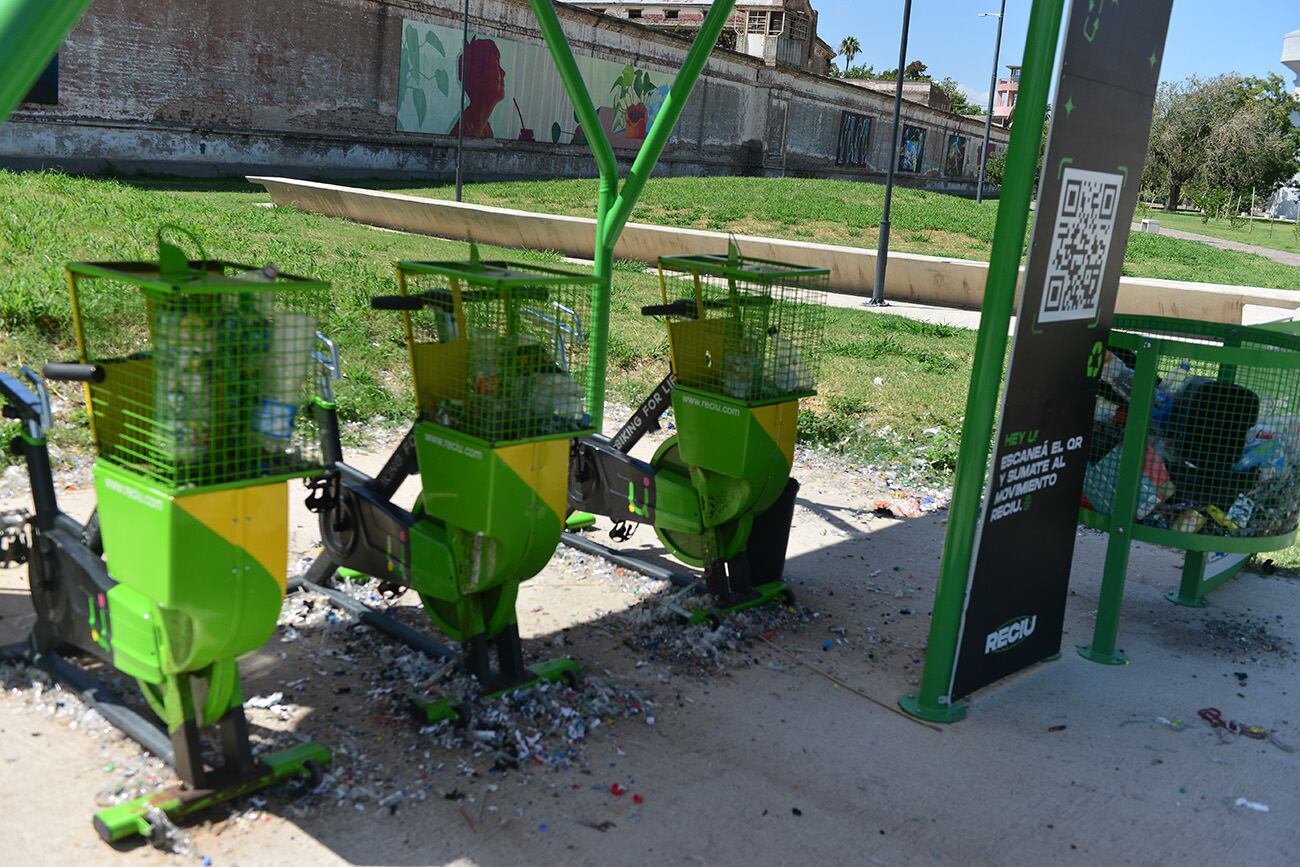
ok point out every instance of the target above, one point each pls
(614, 204)
(30, 33)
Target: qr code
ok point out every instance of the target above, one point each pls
(1085, 224)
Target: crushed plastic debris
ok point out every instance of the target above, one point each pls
(1251, 805)
(349, 687)
(1248, 639)
(658, 634)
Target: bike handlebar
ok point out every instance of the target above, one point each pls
(681, 307)
(19, 402)
(71, 372)
(396, 302)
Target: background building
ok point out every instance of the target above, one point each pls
(924, 92)
(1004, 102)
(371, 88)
(780, 32)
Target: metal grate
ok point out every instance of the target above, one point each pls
(1223, 446)
(499, 351)
(745, 328)
(207, 369)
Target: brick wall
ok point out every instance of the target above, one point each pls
(309, 87)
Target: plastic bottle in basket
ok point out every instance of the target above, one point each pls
(488, 390)
(285, 367)
(1168, 389)
(280, 346)
(182, 357)
(741, 371)
(787, 374)
(1117, 374)
(556, 401)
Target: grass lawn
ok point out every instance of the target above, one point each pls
(892, 390)
(1261, 233)
(848, 213)
(912, 415)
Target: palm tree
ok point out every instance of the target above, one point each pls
(850, 48)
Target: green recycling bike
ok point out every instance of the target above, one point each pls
(195, 388)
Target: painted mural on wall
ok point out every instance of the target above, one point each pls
(911, 153)
(512, 90)
(955, 159)
(855, 136)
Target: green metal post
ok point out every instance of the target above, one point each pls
(1189, 587)
(30, 33)
(1123, 513)
(657, 138)
(1195, 585)
(607, 165)
(932, 702)
(614, 206)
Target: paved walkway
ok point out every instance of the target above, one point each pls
(955, 316)
(1223, 244)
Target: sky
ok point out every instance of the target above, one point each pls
(1206, 37)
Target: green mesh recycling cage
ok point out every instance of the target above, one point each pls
(1215, 410)
(207, 367)
(744, 328)
(498, 350)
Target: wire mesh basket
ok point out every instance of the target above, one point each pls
(207, 366)
(744, 328)
(498, 350)
(1222, 445)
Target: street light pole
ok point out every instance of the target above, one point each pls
(882, 248)
(460, 124)
(993, 86)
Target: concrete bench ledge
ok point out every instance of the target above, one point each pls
(911, 277)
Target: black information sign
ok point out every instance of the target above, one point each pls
(1015, 607)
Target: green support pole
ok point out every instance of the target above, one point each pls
(607, 165)
(1189, 587)
(30, 33)
(662, 129)
(1123, 513)
(1195, 586)
(932, 701)
(614, 206)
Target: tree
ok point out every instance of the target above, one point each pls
(1230, 133)
(850, 48)
(914, 71)
(1186, 112)
(960, 104)
(1246, 152)
(1257, 147)
(854, 72)
(996, 167)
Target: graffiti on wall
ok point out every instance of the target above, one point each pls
(911, 152)
(855, 134)
(512, 90)
(955, 159)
